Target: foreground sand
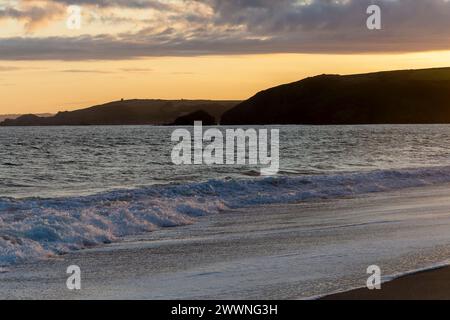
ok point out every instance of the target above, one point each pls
(272, 252)
(427, 285)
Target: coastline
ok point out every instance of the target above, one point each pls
(267, 252)
(432, 284)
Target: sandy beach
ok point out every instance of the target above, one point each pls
(192, 150)
(294, 251)
(425, 285)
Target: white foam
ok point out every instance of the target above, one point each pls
(36, 228)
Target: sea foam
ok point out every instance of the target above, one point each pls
(36, 228)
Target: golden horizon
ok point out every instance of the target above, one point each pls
(52, 86)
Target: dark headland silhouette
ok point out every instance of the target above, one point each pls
(393, 97)
(15, 116)
(188, 120)
(127, 112)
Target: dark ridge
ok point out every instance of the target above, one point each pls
(188, 120)
(15, 116)
(127, 112)
(393, 97)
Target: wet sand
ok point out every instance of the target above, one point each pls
(273, 252)
(426, 285)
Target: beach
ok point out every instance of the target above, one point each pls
(426, 285)
(204, 150)
(297, 251)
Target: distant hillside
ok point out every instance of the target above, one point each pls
(15, 116)
(394, 97)
(127, 112)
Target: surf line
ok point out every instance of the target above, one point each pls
(227, 147)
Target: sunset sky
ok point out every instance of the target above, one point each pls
(209, 49)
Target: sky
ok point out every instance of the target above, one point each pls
(201, 49)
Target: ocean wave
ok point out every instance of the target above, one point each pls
(36, 228)
(10, 164)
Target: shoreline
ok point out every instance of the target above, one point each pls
(430, 284)
(275, 252)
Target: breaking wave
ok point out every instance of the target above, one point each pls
(36, 228)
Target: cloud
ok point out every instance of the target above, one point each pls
(136, 4)
(8, 68)
(135, 70)
(130, 70)
(33, 14)
(225, 27)
(85, 71)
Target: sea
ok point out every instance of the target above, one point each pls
(68, 188)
